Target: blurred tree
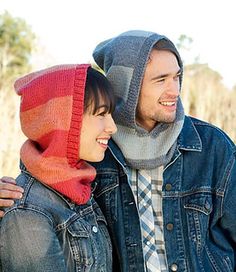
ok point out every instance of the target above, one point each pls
(184, 42)
(205, 96)
(16, 46)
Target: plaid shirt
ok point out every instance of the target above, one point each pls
(155, 176)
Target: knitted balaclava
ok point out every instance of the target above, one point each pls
(51, 115)
(124, 59)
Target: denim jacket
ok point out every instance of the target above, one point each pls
(46, 232)
(199, 204)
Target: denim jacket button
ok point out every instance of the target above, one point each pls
(168, 187)
(169, 226)
(95, 229)
(174, 267)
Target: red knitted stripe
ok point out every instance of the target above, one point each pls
(75, 189)
(77, 114)
(43, 89)
(51, 142)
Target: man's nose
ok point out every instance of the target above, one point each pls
(173, 87)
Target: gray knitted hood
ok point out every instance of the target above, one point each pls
(124, 59)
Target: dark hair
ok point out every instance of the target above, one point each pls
(98, 90)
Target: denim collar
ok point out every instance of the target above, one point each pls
(115, 150)
(189, 139)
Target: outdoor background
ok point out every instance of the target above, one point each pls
(36, 34)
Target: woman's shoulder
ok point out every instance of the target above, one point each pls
(40, 198)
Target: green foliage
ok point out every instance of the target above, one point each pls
(184, 42)
(16, 46)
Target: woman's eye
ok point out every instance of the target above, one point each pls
(103, 113)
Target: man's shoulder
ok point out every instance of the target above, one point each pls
(198, 122)
(206, 131)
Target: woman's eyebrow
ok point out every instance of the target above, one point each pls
(102, 106)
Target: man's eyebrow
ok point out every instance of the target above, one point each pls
(166, 75)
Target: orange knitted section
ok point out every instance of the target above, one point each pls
(53, 169)
(34, 126)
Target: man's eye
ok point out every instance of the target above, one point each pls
(177, 76)
(161, 80)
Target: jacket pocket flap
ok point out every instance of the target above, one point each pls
(200, 203)
(78, 229)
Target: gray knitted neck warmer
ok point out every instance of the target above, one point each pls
(124, 59)
(149, 150)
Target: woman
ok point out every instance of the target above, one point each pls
(57, 226)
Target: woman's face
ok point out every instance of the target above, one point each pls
(95, 132)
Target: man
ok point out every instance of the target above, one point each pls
(168, 182)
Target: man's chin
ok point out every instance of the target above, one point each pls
(168, 120)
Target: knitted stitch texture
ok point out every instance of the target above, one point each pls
(51, 115)
(124, 59)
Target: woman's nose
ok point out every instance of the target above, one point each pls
(111, 127)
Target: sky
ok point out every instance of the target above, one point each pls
(69, 30)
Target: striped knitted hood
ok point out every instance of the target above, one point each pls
(124, 60)
(51, 115)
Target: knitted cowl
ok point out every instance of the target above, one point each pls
(51, 115)
(124, 60)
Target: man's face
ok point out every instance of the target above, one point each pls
(160, 90)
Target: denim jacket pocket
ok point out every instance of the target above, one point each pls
(200, 203)
(198, 208)
(81, 244)
(90, 242)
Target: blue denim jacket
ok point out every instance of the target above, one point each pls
(199, 204)
(46, 232)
